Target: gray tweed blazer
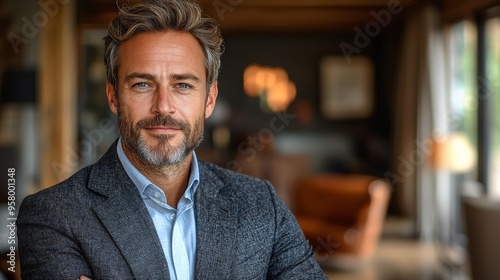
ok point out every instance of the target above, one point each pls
(96, 224)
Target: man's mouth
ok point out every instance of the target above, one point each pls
(162, 129)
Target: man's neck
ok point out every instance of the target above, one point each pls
(172, 178)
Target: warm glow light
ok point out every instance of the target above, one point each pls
(277, 97)
(275, 76)
(272, 83)
(251, 78)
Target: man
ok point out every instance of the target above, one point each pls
(148, 209)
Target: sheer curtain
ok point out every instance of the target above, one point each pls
(421, 117)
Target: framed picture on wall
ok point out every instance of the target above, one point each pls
(346, 89)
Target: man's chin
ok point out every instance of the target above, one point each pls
(162, 153)
(159, 141)
(160, 156)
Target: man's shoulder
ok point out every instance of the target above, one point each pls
(93, 173)
(65, 190)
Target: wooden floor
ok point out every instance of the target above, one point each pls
(399, 257)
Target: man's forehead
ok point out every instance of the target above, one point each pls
(170, 47)
(163, 39)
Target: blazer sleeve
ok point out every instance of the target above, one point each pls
(46, 247)
(292, 256)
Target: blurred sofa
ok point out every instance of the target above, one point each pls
(342, 216)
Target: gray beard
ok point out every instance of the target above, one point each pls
(164, 153)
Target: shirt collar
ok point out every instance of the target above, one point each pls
(141, 182)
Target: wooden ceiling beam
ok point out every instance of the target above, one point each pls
(297, 3)
(264, 15)
(454, 10)
(290, 20)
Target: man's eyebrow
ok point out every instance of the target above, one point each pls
(174, 77)
(139, 76)
(187, 76)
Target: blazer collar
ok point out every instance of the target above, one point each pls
(216, 220)
(127, 219)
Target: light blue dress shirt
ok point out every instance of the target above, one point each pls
(176, 228)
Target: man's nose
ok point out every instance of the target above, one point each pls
(163, 103)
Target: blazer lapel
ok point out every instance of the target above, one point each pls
(216, 221)
(127, 219)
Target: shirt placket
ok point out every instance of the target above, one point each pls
(180, 255)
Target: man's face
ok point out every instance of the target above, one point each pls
(162, 99)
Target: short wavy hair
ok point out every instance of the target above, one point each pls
(163, 15)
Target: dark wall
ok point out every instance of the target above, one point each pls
(300, 55)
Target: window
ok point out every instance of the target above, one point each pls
(475, 94)
(463, 115)
(491, 84)
(463, 94)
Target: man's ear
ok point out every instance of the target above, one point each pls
(211, 99)
(110, 95)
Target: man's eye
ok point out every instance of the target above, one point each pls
(184, 86)
(141, 85)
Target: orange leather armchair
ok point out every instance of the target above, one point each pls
(342, 216)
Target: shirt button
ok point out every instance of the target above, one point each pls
(172, 217)
(157, 194)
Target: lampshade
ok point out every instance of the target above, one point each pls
(453, 152)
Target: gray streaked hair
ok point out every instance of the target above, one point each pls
(163, 15)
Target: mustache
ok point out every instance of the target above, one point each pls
(159, 120)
